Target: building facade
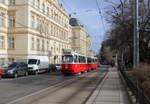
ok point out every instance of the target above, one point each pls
(81, 40)
(33, 27)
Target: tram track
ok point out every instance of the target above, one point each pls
(68, 91)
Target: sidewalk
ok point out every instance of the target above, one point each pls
(110, 91)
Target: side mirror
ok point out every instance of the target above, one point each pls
(38, 62)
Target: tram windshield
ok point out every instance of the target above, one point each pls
(67, 59)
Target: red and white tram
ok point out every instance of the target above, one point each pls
(73, 62)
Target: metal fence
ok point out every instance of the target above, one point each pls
(136, 88)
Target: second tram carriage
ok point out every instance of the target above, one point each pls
(73, 62)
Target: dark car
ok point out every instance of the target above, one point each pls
(54, 67)
(16, 69)
(58, 67)
(1, 72)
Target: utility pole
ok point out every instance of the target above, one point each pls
(136, 33)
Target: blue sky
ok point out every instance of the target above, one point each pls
(87, 13)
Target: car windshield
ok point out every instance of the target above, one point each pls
(32, 61)
(12, 65)
(67, 59)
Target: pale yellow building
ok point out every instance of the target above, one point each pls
(33, 27)
(81, 40)
(88, 45)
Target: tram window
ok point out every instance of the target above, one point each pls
(93, 60)
(75, 59)
(82, 59)
(67, 59)
(89, 60)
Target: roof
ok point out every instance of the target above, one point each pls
(74, 22)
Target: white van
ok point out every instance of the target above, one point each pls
(38, 64)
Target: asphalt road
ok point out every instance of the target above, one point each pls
(12, 89)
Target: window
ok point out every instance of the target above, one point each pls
(47, 29)
(12, 2)
(33, 2)
(38, 44)
(54, 32)
(75, 59)
(11, 60)
(52, 13)
(2, 19)
(51, 29)
(47, 45)
(32, 45)
(11, 21)
(38, 24)
(33, 22)
(43, 45)
(38, 3)
(32, 61)
(67, 59)
(89, 60)
(82, 59)
(11, 42)
(2, 61)
(1, 42)
(43, 8)
(47, 10)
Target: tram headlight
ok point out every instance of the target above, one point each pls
(66, 66)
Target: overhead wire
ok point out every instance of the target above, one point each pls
(72, 11)
(99, 6)
(100, 12)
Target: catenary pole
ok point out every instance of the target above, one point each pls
(136, 34)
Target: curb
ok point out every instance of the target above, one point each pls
(99, 86)
(130, 95)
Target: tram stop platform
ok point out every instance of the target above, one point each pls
(110, 91)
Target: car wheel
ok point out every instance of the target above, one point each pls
(26, 74)
(0, 77)
(36, 72)
(15, 75)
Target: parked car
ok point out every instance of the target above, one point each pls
(52, 68)
(16, 69)
(58, 67)
(1, 72)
